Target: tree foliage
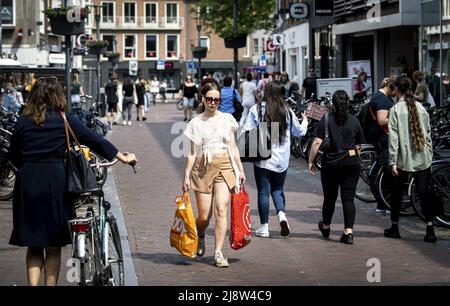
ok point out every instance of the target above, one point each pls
(253, 15)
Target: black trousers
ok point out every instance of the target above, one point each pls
(346, 178)
(422, 180)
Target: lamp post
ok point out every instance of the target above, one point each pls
(1, 31)
(199, 19)
(235, 28)
(68, 43)
(99, 73)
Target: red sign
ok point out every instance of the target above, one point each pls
(270, 47)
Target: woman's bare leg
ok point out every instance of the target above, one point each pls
(35, 263)
(52, 265)
(221, 199)
(204, 206)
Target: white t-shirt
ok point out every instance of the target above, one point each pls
(248, 98)
(154, 86)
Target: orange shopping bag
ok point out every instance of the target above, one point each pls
(183, 235)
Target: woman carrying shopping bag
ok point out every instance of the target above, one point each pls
(213, 168)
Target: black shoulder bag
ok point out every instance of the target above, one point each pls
(256, 144)
(238, 108)
(80, 177)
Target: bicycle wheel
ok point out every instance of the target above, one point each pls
(7, 180)
(440, 178)
(363, 189)
(90, 264)
(115, 267)
(385, 194)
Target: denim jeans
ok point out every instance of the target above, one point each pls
(269, 183)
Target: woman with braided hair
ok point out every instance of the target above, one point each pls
(410, 153)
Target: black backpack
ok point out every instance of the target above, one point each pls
(366, 120)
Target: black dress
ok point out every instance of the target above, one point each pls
(41, 210)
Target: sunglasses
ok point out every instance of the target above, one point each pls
(210, 100)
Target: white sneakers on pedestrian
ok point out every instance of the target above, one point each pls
(285, 229)
(263, 231)
(220, 260)
(124, 122)
(129, 123)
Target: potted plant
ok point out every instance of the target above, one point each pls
(97, 47)
(253, 15)
(199, 52)
(60, 24)
(235, 40)
(113, 57)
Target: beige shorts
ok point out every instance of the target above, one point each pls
(218, 171)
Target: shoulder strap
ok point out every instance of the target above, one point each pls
(327, 131)
(69, 129)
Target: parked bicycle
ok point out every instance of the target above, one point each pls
(96, 237)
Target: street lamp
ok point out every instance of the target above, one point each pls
(99, 74)
(199, 19)
(235, 27)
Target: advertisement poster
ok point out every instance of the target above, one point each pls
(325, 86)
(354, 68)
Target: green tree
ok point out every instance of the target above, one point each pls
(252, 15)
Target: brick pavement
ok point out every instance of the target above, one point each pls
(301, 259)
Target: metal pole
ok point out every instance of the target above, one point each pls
(99, 73)
(1, 31)
(199, 29)
(235, 25)
(441, 65)
(68, 43)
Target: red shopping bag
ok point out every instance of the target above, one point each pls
(241, 228)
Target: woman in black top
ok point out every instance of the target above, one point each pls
(340, 165)
(128, 100)
(41, 210)
(189, 93)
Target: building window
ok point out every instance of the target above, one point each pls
(151, 46)
(130, 46)
(108, 12)
(204, 42)
(129, 12)
(172, 46)
(255, 46)
(172, 13)
(151, 12)
(110, 39)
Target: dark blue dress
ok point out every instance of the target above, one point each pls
(41, 210)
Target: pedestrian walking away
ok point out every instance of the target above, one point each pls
(270, 175)
(112, 99)
(213, 168)
(342, 136)
(163, 90)
(140, 95)
(41, 209)
(129, 99)
(249, 96)
(410, 153)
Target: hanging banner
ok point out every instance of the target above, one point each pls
(324, 7)
(7, 13)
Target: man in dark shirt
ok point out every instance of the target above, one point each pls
(140, 93)
(310, 85)
(112, 99)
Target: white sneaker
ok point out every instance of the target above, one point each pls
(124, 122)
(263, 231)
(220, 260)
(285, 229)
(129, 123)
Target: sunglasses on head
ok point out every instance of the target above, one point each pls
(48, 78)
(210, 100)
